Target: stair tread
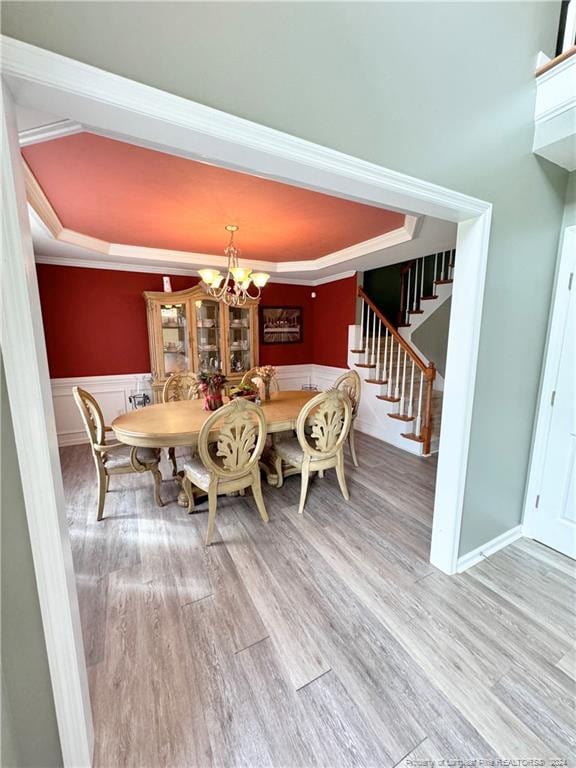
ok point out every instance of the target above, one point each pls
(376, 381)
(412, 436)
(400, 417)
(388, 399)
(443, 282)
(365, 365)
(427, 298)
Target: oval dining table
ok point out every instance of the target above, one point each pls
(178, 423)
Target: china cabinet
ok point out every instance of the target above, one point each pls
(189, 331)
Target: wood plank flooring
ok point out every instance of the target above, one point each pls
(324, 640)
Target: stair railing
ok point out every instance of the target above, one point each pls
(397, 367)
(419, 279)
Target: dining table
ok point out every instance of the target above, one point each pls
(178, 423)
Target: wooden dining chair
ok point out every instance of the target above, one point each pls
(179, 386)
(351, 383)
(321, 447)
(251, 377)
(113, 458)
(230, 444)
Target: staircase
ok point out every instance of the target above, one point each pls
(394, 372)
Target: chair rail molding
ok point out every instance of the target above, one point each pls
(117, 107)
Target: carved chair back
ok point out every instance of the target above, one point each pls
(92, 417)
(241, 434)
(251, 377)
(350, 383)
(180, 386)
(323, 424)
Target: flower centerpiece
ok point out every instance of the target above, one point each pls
(265, 373)
(247, 391)
(211, 383)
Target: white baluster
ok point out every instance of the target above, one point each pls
(361, 346)
(373, 357)
(378, 359)
(418, 424)
(397, 390)
(421, 283)
(435, 274)
(408, 303)
(402, 396)
(411, 396)
(391, 362)
(386, 377)
(367, 344)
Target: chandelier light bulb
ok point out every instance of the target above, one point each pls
(209, 275)
(232, 288)
(260, 279)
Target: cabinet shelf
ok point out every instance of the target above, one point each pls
(212, 333)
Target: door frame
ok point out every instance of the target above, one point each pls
(114, 106)
(552, 356)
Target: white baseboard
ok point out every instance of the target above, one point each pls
(490, 548)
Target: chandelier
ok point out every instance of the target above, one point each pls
(233, 288)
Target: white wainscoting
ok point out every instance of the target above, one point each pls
(112, 392)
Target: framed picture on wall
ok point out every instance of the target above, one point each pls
(281, 325)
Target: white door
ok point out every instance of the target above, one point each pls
(552, 519)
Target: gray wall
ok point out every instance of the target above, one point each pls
(442, 91)
(431, 337)
(29, 729)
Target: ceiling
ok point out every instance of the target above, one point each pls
(104, 203)
(122, 193)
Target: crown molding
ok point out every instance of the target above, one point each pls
(155, 269)
(49, 132)
(143, 258)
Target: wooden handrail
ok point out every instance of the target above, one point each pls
(555, 61)
(429, 370)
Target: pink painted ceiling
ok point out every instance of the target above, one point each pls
(126, 194)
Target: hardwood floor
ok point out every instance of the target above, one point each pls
(322, 640)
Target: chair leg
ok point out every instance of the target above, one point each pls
(304, 486)
(258, 498)
(187, 488)
(172, 457)
(352, 444)
(107, 483)
(212, 502)
(157, 484)
(341, 476)
(102, 488)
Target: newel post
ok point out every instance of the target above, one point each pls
(429, 375)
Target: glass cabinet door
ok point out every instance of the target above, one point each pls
(208, 335)
(175, 338)
(240, 343)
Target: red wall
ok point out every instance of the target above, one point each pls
(95, 320)
(334, 311)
